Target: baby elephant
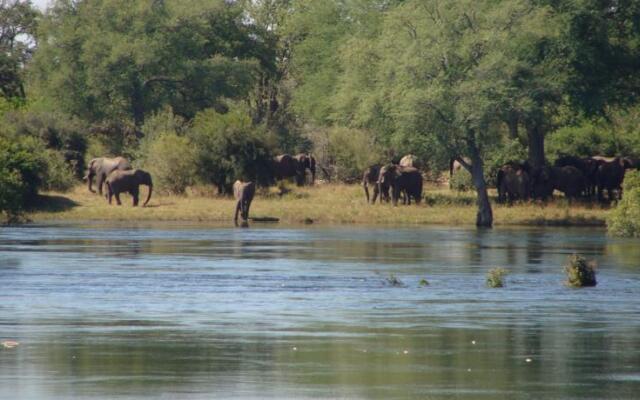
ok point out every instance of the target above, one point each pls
(128, 181)
(243, 192)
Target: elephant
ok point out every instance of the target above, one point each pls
(401, 179)
(286, 166)
(568, 179)
(610, 175)
(101, 168)
(513, 181)
(588, 167)
(243, 192)
(307, 162)
(128, 181)
(370, 178)
(410, 161)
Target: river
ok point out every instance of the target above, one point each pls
(123, 311)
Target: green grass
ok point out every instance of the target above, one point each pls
(321, 204)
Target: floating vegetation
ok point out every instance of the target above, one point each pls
(392, 280)
(423, 282)
(495, 277)
(580, 271)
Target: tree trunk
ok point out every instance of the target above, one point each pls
(513, 125)
(137, 104)
(535, 138)
(484, 217)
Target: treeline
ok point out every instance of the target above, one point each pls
(205, 91)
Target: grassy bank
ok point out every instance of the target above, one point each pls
(325, 204)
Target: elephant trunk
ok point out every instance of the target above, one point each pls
(149, 194)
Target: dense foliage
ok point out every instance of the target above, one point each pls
(625, 219)
(22, 167)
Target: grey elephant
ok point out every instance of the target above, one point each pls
(407, 180)
(513, 182)
(370, 178)
(101, 167)
(285, 166)
(568, 179)
(243, 192)
(609, 177)
(128, 181)
(307, 162)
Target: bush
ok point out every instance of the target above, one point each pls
(461, 181)
(495, 277)
(58, 175)
(60, 132)
(351, 152)
(22, 166)
(624, 220)
(580, 272)
(229, 147)
(171, 160)
(618, 136)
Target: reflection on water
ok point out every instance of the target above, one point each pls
(195, 313)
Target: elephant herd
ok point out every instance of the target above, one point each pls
(576, 177)
(119, 177)
(403, 179)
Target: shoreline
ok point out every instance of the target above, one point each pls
(329, 204)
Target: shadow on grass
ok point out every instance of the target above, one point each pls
(52, 204)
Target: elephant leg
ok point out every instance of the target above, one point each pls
(135, 193)
(100, 178)
(376, 192)
(366, 192)
(118, 202)
(238, 206)
(245, 210)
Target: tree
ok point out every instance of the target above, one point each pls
(17, 26)
(446, 73)
(123, 59)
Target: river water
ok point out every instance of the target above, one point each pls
(193, 312)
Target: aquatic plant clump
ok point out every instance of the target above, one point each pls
(495, 277)
(392, 280)
(580, 272)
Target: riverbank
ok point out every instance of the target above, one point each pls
(323, 204)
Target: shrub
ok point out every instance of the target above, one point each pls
(229, 147)
(22, 166)
(351, 151)
(58, 175)
(171, 160)
(60, 132)
(495, 277)
(580, 272)
(624, 220)
(461, 181)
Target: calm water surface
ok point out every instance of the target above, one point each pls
(118, 312)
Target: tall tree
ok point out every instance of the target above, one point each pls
(18, 21)
(447, 72)
(122, 59)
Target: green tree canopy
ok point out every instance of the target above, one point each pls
(123, 59)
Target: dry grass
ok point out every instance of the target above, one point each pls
(325, 204)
